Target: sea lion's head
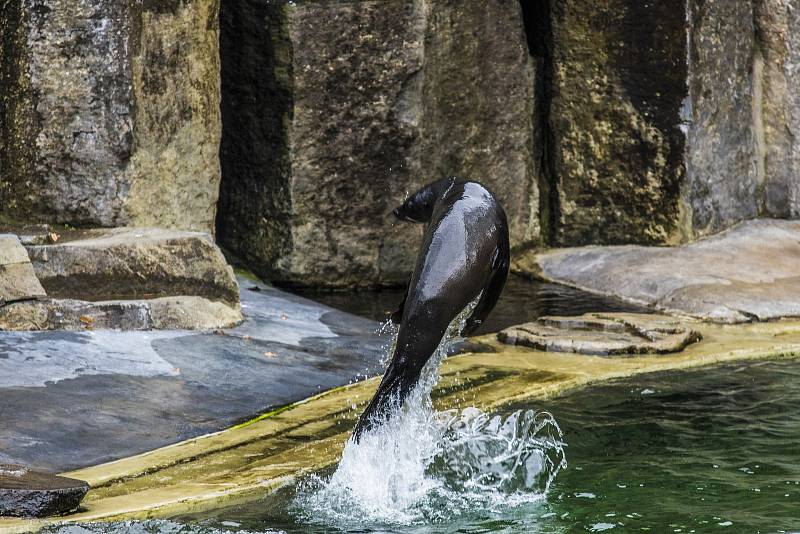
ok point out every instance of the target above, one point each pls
(418, 208)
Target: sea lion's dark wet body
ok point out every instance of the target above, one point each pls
(464, 252)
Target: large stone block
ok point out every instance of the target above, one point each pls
(110, 112)
(652, 143)
(778, 69)
(615, 91)
(17, 279)
(334, 111)
(134, 263)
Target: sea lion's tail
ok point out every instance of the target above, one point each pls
(392, 392)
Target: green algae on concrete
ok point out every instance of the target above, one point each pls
(250, 460)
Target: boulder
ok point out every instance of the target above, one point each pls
(110, 112)
(334, 111)
(17, 279)
(26, 493)
(165, 313)
(650, 144)
(603, 334)
(134, 263)
(745, 274)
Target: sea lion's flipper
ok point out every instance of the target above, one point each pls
(491, 293)
(397, 316)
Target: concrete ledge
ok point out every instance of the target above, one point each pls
(254, 458)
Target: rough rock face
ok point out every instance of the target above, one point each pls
(615, 93)
(478, 105)
(25, 493)
(651, 144)
(778, 67)
(109, 113)
(334, 111)
(125, 263)
(17, 279)
(341, 138)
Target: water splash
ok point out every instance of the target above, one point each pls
(422, 466)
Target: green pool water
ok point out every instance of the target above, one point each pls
(715, 450)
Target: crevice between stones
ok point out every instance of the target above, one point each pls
(538, 30)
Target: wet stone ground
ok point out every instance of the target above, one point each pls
(73, 399)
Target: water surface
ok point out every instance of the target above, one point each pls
(715, 450)
(522, 301)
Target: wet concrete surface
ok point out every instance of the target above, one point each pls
(74, 399)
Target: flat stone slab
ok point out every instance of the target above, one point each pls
(26, 493)
(603, 334)
(17, 278)
(166, 313)
(72, 399)
(751, 272)
(134, 263)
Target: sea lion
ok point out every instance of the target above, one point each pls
(464, 253)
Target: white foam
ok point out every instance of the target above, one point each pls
(423, 466)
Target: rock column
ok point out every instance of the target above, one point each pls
(778, 66)
(109, 113)
(334, 111)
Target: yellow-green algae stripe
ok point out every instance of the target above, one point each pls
(254, 458)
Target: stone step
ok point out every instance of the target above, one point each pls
(603, 334)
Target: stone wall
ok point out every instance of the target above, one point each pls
(479, 107)
(669, 120)
(594, 122)
(363, 102)
(109, 113)
(615, 93)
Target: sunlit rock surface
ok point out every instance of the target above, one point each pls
(603, 334)
(747, 273)
(26, 493)
(334, 111)
(110, 112)
(17, 278)
(72, 399)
